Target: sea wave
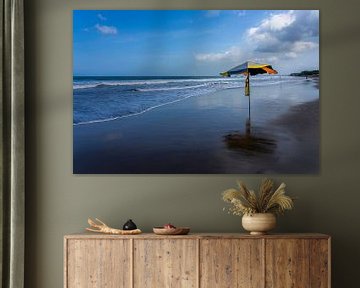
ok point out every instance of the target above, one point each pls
(215, 81)
(119, 83)
(129, 115)
(110, 100)
(93, 84)
(171, 88)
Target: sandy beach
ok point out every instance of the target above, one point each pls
(210, 133)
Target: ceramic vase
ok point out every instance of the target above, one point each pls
(259, 223)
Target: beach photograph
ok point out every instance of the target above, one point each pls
(196, 92)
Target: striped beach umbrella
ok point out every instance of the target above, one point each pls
(249, 68)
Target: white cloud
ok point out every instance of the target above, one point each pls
(278, 21)
(233, 53)
(269, 59)
(108, 30)
(289, 32)
(240, 13)
(301, 46)
(101, 17)
(212, 13)
(291, 55)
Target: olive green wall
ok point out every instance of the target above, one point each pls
(59, 202)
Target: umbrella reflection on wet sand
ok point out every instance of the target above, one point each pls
(249, 143)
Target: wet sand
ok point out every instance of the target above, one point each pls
(209, 134)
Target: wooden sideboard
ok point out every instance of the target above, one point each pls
(197, 260)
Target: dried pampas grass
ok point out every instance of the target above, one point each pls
(267, 200)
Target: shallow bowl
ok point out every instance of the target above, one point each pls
(171, 231)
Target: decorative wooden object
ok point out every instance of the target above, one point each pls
(197, 260)
(100, 227)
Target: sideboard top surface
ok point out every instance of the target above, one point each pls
(87, 235)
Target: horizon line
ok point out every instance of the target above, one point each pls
(174, 75)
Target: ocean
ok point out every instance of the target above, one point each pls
(99, 99)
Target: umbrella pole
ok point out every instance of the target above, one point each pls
(248, 127)
(247, 85)
(247, 89)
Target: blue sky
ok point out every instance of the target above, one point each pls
(192, 42)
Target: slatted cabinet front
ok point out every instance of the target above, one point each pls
(165, 263)
(194, 261)
(231, 263)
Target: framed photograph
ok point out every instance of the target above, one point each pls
(195, 91)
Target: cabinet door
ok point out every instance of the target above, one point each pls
(98, 263)
(231, 263)
(320, 263)
(165, 263)
(287, 263)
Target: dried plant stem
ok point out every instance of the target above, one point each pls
(268, 200)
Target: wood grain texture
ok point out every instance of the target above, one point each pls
(231, 263)
(287, 263)
(66, 262)
(166, 263)
(88, 235)
(319, 263)
(197, 260)
(98, 264)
